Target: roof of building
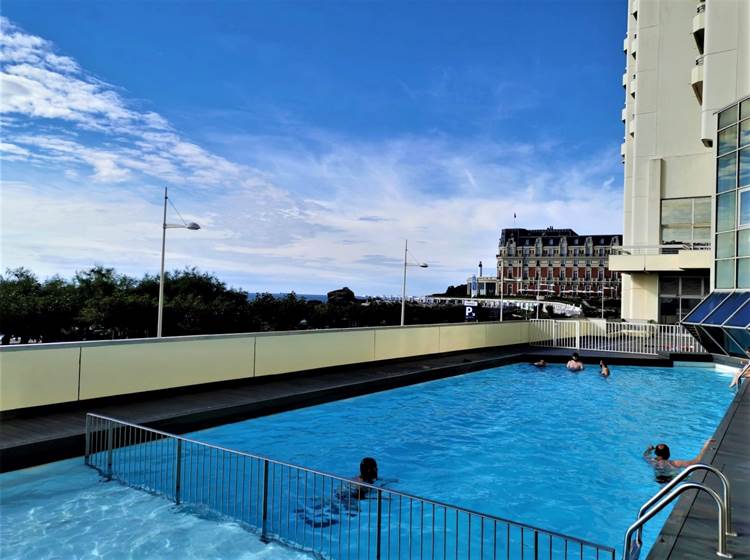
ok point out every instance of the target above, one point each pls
(553, 236)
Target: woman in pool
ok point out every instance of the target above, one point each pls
(665, 468)
(368, 473)
(603, 369)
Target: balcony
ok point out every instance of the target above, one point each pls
(696, 78)
(624, 114)
(633, 86)
(625, 79)
(625, 44)
(623, 150)
(661, 258)
(631, 127)
(699, 26)
(634, 8)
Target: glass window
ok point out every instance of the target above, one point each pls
(669, 310)
(743, 243)
(745, 133)
(744, 207)
(725, 274)
(745, 108)
(677, 211)
(727, 173)
(708, 305)
(725, 245)
(726, 309)
(725, 211)
(743, 273)
(702, 234)
(702, 211)
(741, 318)
(728, 117)
(744, 167)
(692, 287)
(727, 140)
(669, 285)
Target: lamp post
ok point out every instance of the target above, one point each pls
(164, 226)
(403, 290)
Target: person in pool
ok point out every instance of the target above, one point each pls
(368, 473)
(665, 469)
(743, 372)
(575, 363)
(540, 364)
(603, 369)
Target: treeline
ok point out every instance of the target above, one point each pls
(101, 304)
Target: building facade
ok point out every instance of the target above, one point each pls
(552, 262)
(685, 62)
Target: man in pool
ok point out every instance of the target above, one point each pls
(368, 473)
(575, 363)
(665, 468)
(540, 364)
(603, 369)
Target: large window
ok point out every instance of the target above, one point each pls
(732, 268)
(678, 295)
(686, 220)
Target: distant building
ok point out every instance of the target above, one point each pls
(553, 262)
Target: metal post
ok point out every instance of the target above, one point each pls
(502, 286)
(161, 275)
(264, 523)
(578, 335)
(403, 290)
(378, 527)
(109, 449)
(88, 440)
(178, 472)
(536, 545)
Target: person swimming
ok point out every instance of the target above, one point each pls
(665, 469)
(368, 474)
(540, 364)
(575, 363)
(603, 369)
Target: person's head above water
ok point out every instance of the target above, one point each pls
(575, 356)
(662, 451)
(368, 469)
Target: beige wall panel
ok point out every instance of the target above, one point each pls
(504, 334)
(460, 337)
(407, 341)
(297, 352)
(130, 368)
(38, 376)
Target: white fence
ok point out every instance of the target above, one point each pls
(631, 338)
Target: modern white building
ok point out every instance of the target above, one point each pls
(686, 62)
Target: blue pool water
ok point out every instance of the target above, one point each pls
(557, 450)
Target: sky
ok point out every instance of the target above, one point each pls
(309, 139)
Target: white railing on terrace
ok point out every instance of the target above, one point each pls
(630, 338)
(331, 516)
(667, 249)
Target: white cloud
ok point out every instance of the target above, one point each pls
(309, 219)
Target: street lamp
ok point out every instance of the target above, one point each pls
(403, 290)
(164, 225)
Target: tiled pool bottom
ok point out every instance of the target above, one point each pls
(557, 450)
(65, 510)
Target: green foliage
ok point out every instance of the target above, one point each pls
(99, 303)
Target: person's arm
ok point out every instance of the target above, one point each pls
(647, 455)
(686, 463)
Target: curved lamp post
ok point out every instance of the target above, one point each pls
(165, 226)
(403, 291)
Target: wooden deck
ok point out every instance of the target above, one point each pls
(690, 532)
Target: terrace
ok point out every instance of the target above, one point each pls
(189, 383)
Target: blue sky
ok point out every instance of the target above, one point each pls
(308, 138)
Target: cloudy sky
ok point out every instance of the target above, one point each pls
(308, 139)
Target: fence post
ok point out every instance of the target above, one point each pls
(109, 449)
(554, 333)
(264, 523)
(88, 440)
(178, 473)
(536, 545)
(578, 335)
(379, 529)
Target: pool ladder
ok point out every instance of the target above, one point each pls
(632, 550)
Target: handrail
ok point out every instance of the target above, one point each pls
(727, 493)
(665, 501)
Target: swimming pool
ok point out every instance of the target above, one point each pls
(557, 450)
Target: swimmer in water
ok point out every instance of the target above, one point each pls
(575, 363)
(603, 369)
(368, 473)
(540, 364)
(665, 468)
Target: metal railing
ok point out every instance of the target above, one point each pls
(630, 338)
(330, 516)
(666, 249)
(632, 549)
